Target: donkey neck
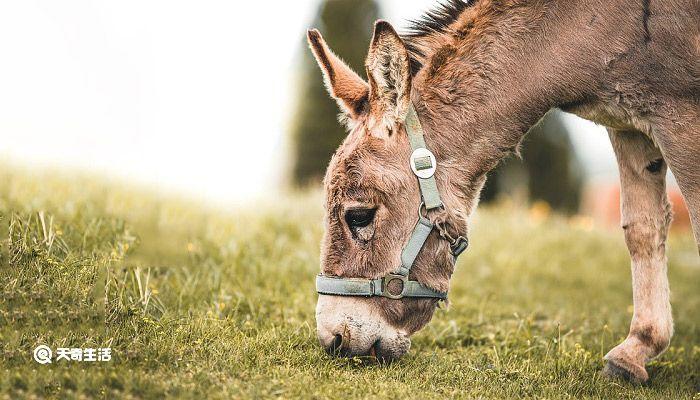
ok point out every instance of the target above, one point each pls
(497, 68)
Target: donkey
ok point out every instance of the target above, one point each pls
(478, 75)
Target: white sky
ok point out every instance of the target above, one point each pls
(190, 96)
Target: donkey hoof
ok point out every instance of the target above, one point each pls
(630, 373)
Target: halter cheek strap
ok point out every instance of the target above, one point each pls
(423, 161)
(423, 165)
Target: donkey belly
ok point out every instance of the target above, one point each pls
(612, 115)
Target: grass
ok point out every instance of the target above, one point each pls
(202, 303)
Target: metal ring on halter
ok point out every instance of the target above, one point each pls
(422, 207)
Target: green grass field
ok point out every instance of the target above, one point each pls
(200, 303)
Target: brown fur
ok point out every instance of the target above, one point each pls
(650, 338)
(344, 85)
(490, 71)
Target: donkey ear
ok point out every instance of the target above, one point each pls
(344, 85)
(388, 69)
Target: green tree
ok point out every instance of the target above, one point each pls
(316, 133)
(549, 169)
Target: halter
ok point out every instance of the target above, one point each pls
(423, 165)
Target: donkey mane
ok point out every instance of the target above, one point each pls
(433, 22)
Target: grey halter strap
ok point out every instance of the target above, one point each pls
(423, 165)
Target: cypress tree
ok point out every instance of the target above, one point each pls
(316, 133)
(549, 166)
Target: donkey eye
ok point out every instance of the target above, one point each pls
(359, 217)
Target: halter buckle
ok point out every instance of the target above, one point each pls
(385, 285)
(459, 245)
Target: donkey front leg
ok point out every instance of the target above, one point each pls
(646, 216)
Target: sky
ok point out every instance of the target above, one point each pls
(189, 96)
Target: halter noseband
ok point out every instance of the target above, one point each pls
(423, 165)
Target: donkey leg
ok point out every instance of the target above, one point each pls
(646, 216)
(681, 149)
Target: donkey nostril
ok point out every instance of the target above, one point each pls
(337, 343)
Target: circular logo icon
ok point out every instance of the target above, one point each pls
(42, 354)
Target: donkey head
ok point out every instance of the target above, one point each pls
(372, 204)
